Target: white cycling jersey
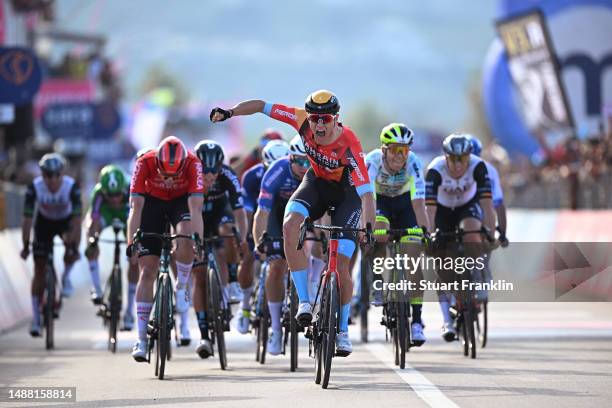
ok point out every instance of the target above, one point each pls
(443, 189)
(408, 179)
(54, 206)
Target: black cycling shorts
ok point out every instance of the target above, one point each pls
(45, 230)
(316, 195)
(448, 219)
(156, 213)
(275, 229)
(397, 210)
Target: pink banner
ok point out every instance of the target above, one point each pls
(63, 90)
(2, 24)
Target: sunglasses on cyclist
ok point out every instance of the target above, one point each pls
(301, 161)
(463, 158)
(50, 174)
(397, 149)
(326, 118)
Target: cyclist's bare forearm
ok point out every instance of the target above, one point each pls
(369, 209)
(431, 215)
(501, 217)
(134, 218)
(489, 214)
(26, 228)
(195, 210)
(421, 213)
(248, 107)
(75, 230)
(241, 223)
(260, 223)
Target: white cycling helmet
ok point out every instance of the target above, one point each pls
(296, 146)
(273, 150)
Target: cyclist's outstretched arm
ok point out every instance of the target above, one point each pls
(243, 108)
(134, 218)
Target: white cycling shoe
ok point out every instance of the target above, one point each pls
(304, 314)
(185, 337)
(139, 352)
(244, 321)
(35, 328)
(182, 299)
(344, 347)
(128, 322)
(235, 293)
(448, 332)
(275, 342)
(417, 335)
(204, 349)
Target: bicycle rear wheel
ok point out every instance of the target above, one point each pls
(115, 308)
(218, 315)
(165, 323)
(329, 328)
(264, 324)
(469, 322)
(364, 298)
(293, 328)
(49, 308)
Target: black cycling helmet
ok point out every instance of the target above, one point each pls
(457, 145)
(322, 102)
(210, 154)
(52, 163)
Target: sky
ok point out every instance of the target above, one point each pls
(412, 60)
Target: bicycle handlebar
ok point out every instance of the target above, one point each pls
(307, 225)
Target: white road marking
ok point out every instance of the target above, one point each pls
(424, 389)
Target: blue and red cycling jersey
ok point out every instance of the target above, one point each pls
(278, 183)
(251, 184)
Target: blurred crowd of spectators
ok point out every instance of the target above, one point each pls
(577, 174)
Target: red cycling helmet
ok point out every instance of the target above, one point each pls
(271, 134)
(171, 156)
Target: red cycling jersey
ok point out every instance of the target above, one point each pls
(147, 180)
(342, 158)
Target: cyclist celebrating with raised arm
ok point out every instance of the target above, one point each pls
(251, 185)
(109, 201)
(56, 199)
(398, 178)
(167, 186)
(458, 191)
(223, 205)
(278, 185)
(338, 178)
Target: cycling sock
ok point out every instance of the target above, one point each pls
(67, 271)
(143, 311)
(94, 270)
(275, 315)
(315, 267)
(182, 273)
(246, 298)
(300, 280)
(129, 308)
(36, 309)
(345, 312)
(226, 293)
(232, 269)
(446, 312)
(202, 324)
(185, 321)
(416, 313)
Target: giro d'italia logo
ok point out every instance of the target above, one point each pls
(16, 67)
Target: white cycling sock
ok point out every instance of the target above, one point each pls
(182, 271)
(246, 298)
(275, 315)
(129, 307)
(94, 270)
(143, 311)
(185, 321)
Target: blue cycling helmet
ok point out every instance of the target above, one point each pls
(476, 145)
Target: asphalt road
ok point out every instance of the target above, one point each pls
(539, 354)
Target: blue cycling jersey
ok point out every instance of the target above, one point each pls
(251, 183)
(278, 183)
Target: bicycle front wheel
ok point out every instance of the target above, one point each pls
(115, 308)
(329, 327)
(218, 315)
(293, 328)
(165, 323)
(402, 332)
(50, 308)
